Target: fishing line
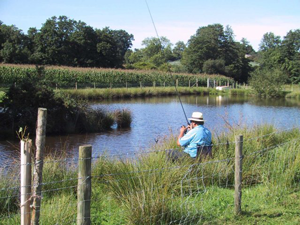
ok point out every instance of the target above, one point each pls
(152, 21)
(169, 71)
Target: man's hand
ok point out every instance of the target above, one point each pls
(183, 129)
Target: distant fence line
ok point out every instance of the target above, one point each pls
(210, 83)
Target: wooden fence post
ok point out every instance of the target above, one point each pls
(25, 181)
(196, 82)
(84, 185)
(176, 82)
(238, 173)
(38, 168)
(207, 82)
(76, 85)
(154, 84)
(141, 84)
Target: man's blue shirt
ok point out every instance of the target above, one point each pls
(199, 135)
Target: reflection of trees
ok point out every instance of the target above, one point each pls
(186, 99)
(207, 100)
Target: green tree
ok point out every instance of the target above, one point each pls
(269, 41)
(13, 47)
(204, 45)
(178, 50)
(290, 50)
(268, 83)
(212, 45)
(283, 54)
(214, 66)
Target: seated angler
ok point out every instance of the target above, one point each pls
(195, 138)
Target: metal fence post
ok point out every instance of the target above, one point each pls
(25, 181)
(84, 185)
(238, 173)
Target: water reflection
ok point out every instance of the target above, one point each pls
(155, 118)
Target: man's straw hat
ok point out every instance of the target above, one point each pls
(197, 116)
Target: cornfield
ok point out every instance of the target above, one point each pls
(69, 76)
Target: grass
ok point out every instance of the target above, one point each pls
(2, 94)
(154, 190)
(93, 94)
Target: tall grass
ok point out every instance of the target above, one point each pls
(153, 190)
(93, 94)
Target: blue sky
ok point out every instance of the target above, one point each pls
(177, 20)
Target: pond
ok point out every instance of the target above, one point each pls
(156, 118)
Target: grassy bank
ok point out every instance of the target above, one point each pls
(154, 190)
(114, 93)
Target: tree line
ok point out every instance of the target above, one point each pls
(63, 41)
(211, 50)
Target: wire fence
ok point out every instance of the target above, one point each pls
(150, 189)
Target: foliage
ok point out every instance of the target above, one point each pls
(212, 48)
(214, 66)
(268, 82)
(63, 41)
(282, 53)
(63, 113)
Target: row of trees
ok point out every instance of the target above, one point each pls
(212, 50)
(62, 41)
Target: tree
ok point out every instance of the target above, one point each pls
(247, 47)
(178, 50)
(204, 45)
(269, 41)
(268, 83)
(290, 50)
(52, 43)
(283, 54)
(214, 66)
(212, 49)
(12, 45)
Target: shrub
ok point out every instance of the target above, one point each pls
(268, 82)
(64, 115)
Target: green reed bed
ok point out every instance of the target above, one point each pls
(294, 95)
(93, 94)
(153, 190)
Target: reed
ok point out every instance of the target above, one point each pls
(123, 118)
(94, 94)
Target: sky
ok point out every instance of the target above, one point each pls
(177, 20)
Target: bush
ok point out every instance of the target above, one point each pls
(268, 82)
(64, 115)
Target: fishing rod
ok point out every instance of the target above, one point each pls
(169, 71)
(181, 105)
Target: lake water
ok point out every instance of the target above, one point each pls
(155, 118)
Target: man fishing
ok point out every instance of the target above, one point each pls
(195, 138)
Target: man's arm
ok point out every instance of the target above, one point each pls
(181, 133)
